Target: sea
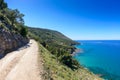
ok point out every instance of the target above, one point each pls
(101, 57)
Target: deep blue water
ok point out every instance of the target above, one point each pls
(101, 57)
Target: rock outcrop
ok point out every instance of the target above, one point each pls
(10, 41)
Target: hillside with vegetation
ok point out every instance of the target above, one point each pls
(54, 70)
(12, 20)
(48, 35)
(13, 32)
(58, 44)
(56, 50)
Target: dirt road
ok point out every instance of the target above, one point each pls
(21, 64)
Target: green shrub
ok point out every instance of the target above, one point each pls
(70, 62)
(23, 31)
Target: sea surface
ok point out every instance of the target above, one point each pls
(102, 57)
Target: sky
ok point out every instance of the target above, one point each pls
(77, 19)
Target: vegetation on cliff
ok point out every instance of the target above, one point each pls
(12, 20)
(58, 62)
(55, 70)
(13, 33)
(58, 44)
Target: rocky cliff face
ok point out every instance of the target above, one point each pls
(10, 41)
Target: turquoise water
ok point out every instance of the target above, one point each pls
(101, 57)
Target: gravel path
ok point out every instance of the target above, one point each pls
(21, 64)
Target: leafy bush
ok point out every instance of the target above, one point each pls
(70, 62)
(23, 31)
(12, 20)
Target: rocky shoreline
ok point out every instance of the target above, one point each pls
(76, 51)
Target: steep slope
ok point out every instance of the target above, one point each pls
(13, 33)
(47, 35)
(58, 44)
(58, 71)
(58, 62)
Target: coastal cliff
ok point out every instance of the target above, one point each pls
(59, 64)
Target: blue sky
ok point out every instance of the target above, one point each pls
(78, 19)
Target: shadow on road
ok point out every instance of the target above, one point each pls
(16, 49)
